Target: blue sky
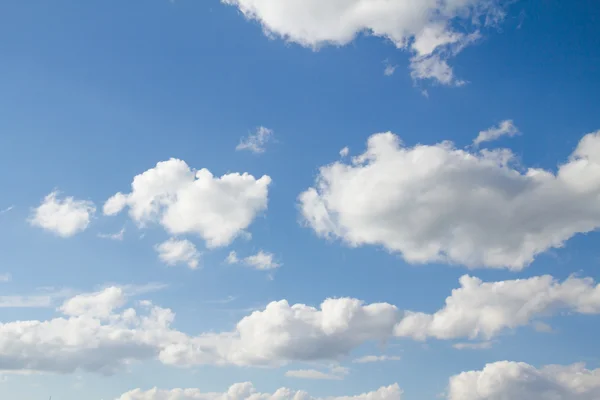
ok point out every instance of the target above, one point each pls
(95, 94)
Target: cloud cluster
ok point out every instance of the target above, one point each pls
(437, 203)
(246, 391)
(65, 217)
(98, 333)
(427, 28)
(186, 201)
(519, 381)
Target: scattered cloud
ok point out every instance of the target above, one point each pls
(7, 209)
(100, 332)
(436, 203)
(261, 261)
(484, 309)
(505, 128)
(344, 152)
(473, 346)
(226, 300)
(25, 301)
(113, 236)
(542, 327)
(335, 374)
(520, 381)
(245, 391)
(256, 142)
(64, 217)
(373, 359)
(426, 29)
(389, 68)
(175, 251)
(187, 201)
(5, 278)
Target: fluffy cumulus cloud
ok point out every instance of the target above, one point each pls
(483, 309)
(101, 332)
(427, 28)
(256, 142)
(246, 391)
(94, 334)
(100, 304)
(261, 261)
(282, 332)
(519, 381)
(175, 251)
(183, 200)
(65, 217)
(437, 203)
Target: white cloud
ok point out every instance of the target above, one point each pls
(101, 304)
(389, 69)
(425, 28)
(113, 236)
(246, 391)
(336, 374)
(175, 251)
(436, 203)
(484, 309)
(372, 359)
(5, 278)
(519, 381)
(344, 152)
(505, 128)
(261, 261)
(282, 333)
(185, 201)
(256, 142)
(97, 332)
(65, 217)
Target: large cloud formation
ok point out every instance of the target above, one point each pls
(99, 332)
(247, 391)
(437, 203)
(519, 381)
(186, 201)
(427, 28)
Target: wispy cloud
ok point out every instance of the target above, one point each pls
(473, 346)
(389, 68)
(47, 297)
(5, 278)
(256, 142)
(226, 300)
(373, 359)
(113, 236)
(505, 128)
(7, 209)
(336, 373)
